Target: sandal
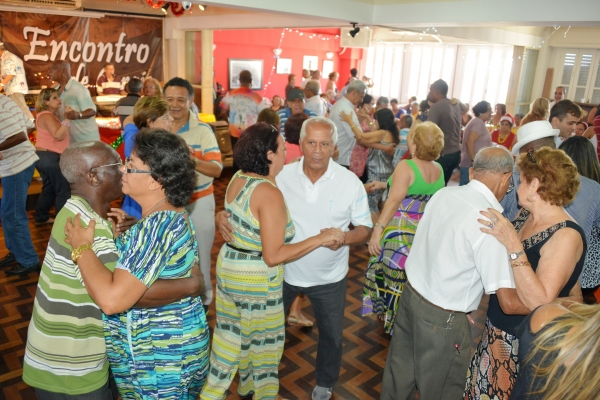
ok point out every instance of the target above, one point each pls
(302, 322)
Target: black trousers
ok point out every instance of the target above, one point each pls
(55, 190)
(449, 163)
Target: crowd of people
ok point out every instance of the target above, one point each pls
(123, 292)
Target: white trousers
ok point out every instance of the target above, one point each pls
(202, 213)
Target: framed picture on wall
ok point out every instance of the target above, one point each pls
(284, 65)
(327, 68)
(237, 65)
(310, 63)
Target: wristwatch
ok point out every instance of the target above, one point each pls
(514, 256)
(80, 115)
(78, 251)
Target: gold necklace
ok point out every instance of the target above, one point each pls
(148, 213)
(500, 140)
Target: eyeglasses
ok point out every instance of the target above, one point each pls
(134, 171)
(119, 164)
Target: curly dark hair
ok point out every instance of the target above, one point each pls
(168, 157)
(250, 152)
(293, 126)
(386, 120)
(177, 81)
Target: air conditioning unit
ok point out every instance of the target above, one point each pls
(52, 4)
(362, 39)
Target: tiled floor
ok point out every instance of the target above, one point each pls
(365, 343)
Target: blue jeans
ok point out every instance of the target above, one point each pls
(14, 217)
(328, 302)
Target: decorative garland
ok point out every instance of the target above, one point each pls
(156, 4)
(118, 141)
(177, 9)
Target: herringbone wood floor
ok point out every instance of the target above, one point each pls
(365, 343)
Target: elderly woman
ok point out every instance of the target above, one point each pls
(277, 103)
(546, 250)
(540, 111)
(331, 83)
(504, 135)
(159, 352)
(410, 188)
(152, 88)
(499, 112)
(250, 329)
(52, 139)
(475, 137)
(148, 112)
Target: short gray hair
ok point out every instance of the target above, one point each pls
(319, 120)
(77, 160)
(314, 86)
(496, 160)
(356, 86)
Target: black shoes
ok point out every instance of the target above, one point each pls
(22, 270)
(7, 260)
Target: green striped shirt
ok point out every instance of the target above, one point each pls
(66, 352)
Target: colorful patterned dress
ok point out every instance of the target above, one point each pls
(250, 330)
(385, 273)
(161, 352)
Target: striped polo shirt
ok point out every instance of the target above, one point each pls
(202, 139)
(65, 351)
(14, 122)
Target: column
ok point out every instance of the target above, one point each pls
(207, 72)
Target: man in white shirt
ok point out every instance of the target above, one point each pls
(347, 140)
(451, 264)
(564, 116)
(321, 194)
(12, 79)
(560, 93)
(313, 100)
(305, 77)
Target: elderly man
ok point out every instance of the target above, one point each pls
(124, 106)
(585, 208)
(313, 100)
(295, 105)
(319, 193)
(448, 116)
(564, 116)
(77, 104)
(205, 152)
(65, 356)
(243, 105)
(347, 139)
(560, 93)
(17, 162)
(12, 79)
(451, 263)
(108, 83)
(305, 77)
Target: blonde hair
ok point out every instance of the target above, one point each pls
(540, 111)
(429, 139)
(45, 94)
(156, 83)
(149, 108)
(569, 349)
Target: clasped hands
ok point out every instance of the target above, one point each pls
(334, 238)
(71, 114)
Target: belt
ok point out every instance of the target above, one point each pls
(430, 303)
(245, 251)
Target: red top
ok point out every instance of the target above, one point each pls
(508, 142)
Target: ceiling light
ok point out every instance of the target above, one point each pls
(165, 8)
(354, 31)
(201, 7)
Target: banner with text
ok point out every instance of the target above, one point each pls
(133, 45)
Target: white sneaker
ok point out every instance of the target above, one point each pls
(322, 393)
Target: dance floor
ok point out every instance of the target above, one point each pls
(365, 343)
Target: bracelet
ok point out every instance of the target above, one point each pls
(379, 225)
(520, 264)
(66, 123)
(77, 252)
(352, 126)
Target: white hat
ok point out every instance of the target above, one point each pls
(533, 131)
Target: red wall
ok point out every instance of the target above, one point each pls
(259, 44)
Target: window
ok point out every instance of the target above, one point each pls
(578, 71)
(404, 70)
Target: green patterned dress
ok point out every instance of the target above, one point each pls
(161, 352)
(385, 273)
(250, 330)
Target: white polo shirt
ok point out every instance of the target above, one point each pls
(451, 262)
(346, 138)
(337, 199)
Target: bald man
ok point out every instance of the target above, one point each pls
(77, 104)
(65, 356)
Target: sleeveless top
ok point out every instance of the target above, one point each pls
(45, 140)
(533, 246)
(420, 186)
(379, 164)
(246, 228)
(526, 380)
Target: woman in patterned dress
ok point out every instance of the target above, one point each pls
(155, 352)
(547, 251)
(410, 188)
(250, 330)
